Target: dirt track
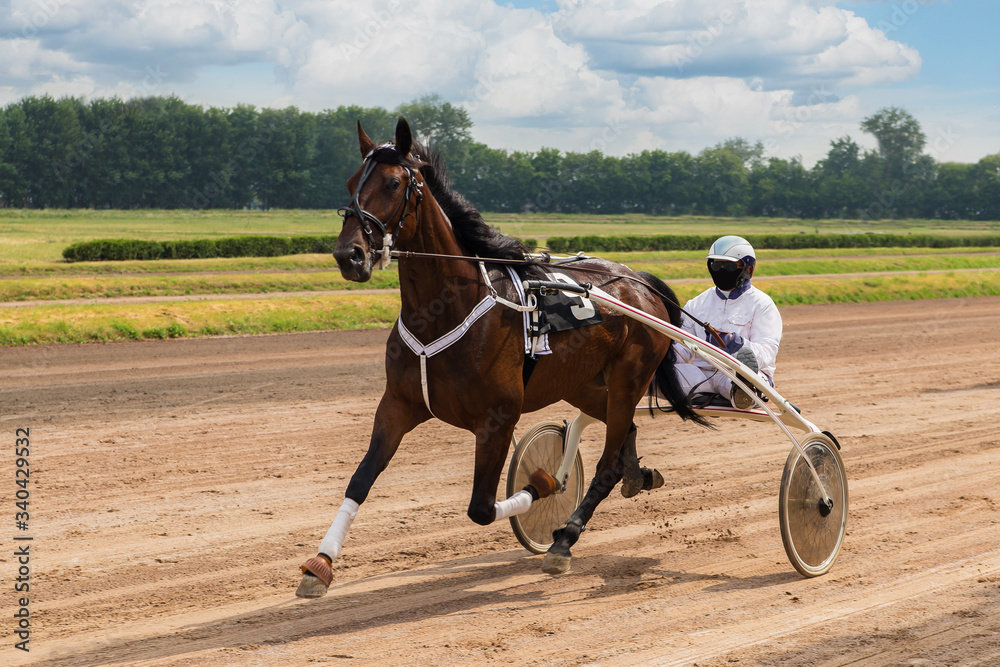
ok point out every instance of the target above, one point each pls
(177, 485)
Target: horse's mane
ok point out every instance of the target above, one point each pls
(473, 234)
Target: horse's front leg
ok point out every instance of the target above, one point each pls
(494, 433)
(393, 420)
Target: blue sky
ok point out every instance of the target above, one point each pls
(618, 76)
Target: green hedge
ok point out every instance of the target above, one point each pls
(105, 250)
(770, 241)
(236, 246)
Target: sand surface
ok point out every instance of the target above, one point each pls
(177, 485)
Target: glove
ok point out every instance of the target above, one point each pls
(733, 341)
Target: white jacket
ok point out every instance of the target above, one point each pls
(752, 315)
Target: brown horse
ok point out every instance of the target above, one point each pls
(402, 201)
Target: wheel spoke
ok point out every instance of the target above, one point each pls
(542, 448)
(812, 536)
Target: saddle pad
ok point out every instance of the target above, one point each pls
(562, 311)
(557, 311)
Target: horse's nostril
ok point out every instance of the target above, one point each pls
(358, 256)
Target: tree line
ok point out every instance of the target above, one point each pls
(160, 152)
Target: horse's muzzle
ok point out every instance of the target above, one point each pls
(353, 262)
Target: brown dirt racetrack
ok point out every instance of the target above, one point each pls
(177, 485)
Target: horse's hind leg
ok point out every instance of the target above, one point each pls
(613, 403)
(636, 478)
(392, 421)
(609, 473)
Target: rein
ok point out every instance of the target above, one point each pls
(543, 258)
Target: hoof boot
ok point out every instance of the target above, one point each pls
(316, 577)
(544, 483)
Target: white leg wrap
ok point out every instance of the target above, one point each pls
(519, 503)
(334, 539)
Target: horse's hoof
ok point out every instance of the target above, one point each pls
(649, 480)
(311, 587)
(555, 563)
(632, 485)
(316, 577)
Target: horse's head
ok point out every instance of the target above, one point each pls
(385, 192)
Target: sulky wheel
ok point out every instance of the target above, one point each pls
(811, 531)
(542, 447)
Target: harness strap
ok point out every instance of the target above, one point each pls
(546, 258)
(530, 304)
(424, 352)
(442, 343)
(535, 342)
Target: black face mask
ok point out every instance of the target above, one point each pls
(726, 275)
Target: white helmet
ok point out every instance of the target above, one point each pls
(733, 248)
(726, 252)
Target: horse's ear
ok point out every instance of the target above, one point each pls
(366, 143)
(404, 139)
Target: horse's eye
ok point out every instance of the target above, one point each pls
(393, 184)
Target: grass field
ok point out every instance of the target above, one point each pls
(542, 226)
(41, 235)
(58, 323)
(206, 290)
(173, 281)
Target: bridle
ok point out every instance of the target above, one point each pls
(414, 189)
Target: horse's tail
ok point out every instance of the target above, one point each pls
(666, 375)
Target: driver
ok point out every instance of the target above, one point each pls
(745, 317)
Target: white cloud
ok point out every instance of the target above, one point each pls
(785, 43)
(688, 73)
(78, 86)
(618, 75)
(390, 53)
(25, 59)
(865, 57)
